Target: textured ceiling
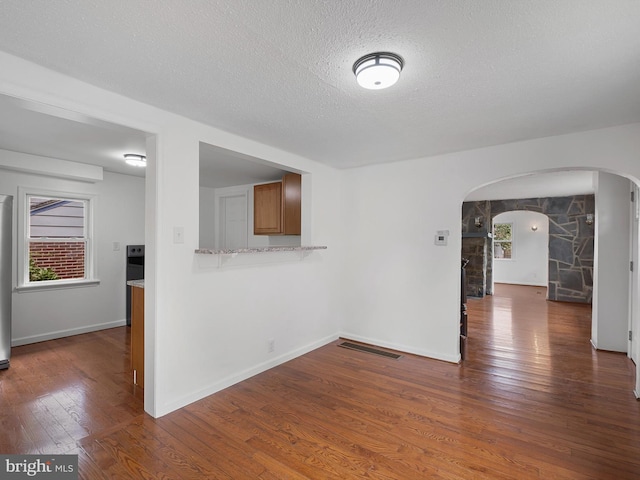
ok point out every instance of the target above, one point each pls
(477, 73)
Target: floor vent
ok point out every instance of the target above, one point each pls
(363, 348)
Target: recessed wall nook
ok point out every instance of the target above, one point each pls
(249, 206)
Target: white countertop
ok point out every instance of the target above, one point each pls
(136, 283)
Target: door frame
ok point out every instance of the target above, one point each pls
(218, 218)
(633, 350)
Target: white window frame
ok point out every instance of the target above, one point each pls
(90, 254)
(513, 250)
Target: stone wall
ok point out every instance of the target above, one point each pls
(571, 242)
(477, 248)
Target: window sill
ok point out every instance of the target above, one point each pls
(56, 285)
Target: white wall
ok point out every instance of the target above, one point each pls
(118, 217)
(610, 319)
(213, 326)
(401, 290)
(529, 264)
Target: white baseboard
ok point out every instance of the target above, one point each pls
(240, 376)
(16, 342)
(402, 348)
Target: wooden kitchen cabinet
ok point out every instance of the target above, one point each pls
(277, 207)
(292, 204)
(137, 335)
(267, 209)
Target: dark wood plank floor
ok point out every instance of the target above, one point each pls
(532, 400)
(58, 392)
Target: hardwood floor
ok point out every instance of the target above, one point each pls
(532, 400)
(58, 392)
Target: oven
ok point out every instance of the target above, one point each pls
(135, 271)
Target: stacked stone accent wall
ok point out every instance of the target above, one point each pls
(571, 243)
(476, 251)
(477, 248)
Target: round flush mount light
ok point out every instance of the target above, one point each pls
(135, 159)
(378, 70)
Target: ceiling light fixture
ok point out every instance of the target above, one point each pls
(135, 159)
(378, 70)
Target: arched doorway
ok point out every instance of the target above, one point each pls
(520, 249)
(614, 292)
(571, 243)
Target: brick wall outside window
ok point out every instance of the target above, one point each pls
(64, 258)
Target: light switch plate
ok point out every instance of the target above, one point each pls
(178, 234)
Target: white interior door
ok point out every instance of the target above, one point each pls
(233, 221)
(634, 297)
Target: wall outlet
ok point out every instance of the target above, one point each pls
(271, 345)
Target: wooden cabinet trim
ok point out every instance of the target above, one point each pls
(292, 204)
(137, 335)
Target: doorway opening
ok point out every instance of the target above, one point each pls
(604, 279)
(521, 249)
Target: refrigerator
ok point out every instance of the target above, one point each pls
(6, 225)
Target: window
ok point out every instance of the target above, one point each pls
(503, 240)
(57, 247)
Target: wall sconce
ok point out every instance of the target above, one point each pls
(478, 222)
(534, 228)
(589, 220)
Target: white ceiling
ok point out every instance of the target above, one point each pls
(476, 73)
(39, 129)
(224, 168)
(47, 131)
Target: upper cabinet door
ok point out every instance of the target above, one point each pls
(277, 207)
(267, 209)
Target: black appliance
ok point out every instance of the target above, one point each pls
(135, 271)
